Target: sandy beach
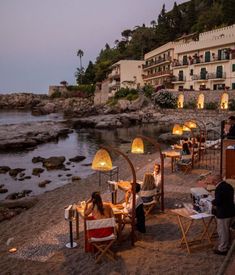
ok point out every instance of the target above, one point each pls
(40, 233)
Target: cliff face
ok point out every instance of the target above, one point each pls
(20, 100)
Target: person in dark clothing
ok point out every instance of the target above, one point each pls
(224, 210)
(231, 129)
(139, 208)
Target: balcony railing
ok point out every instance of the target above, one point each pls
(155, 62)
(179, 78)
(217, 75)
(158, 74)
(198, 60)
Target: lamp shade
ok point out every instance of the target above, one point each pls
(102, 161)
(177, 130)
(137, 146)
(190, 124)
(186, 128)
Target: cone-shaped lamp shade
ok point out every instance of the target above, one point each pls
(102, 161)
(177, 130)
(186, 128)
(190, 124)
(137, 146)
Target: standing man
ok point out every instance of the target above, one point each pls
(230, 128)
(224, 212)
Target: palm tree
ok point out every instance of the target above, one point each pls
(80, 53)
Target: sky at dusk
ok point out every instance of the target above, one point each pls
(40, 38)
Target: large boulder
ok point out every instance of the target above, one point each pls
(168, 138)
(54, 162)
(4, 169)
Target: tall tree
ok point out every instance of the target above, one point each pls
(175, 22)
(191, 17)
(228, 9)
(89, 76)
(80, 53)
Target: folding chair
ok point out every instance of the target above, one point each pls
(102, 244)
(148, 206)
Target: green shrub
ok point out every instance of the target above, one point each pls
(165, 99)
(211, 106)
(148, 90)
(126, 93)
(81, 90)
(56, 94)
(112, 101)
(231, 105)
(191, 104)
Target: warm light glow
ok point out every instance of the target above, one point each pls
(102, 161)
(177, 130)
(137, 146)
(186, 128)
(190, 124)
(224, 101)
(200, 102)
(12, 250)
(180, 102)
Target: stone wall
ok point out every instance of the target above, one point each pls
(57, 89)
(209, 96)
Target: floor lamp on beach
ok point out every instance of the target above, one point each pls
(102, 162)
(137, 147)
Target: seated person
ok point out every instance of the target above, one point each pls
(185, 154)
(98, 210)
(157, 176)
(149, 184)
(139, 208)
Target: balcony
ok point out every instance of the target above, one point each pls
(216, 76)
(213, 59)
(178, 79)
(158, 74)
(114, 75)
(207, 76)
(156, 62)
(177, 63)
(114, 84)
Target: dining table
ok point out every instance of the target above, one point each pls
(173, 155)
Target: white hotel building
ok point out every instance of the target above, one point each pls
(203, 63)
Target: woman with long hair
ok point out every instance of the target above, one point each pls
(95, 209)
(157, 175)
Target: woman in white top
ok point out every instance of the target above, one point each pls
(157, 175)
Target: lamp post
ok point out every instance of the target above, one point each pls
(138, 148)
(103, 162)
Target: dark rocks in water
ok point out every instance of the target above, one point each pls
(2, 185)
(15, 172)
(3, 190)
(74, 178)
(68, 175)
(86, 164)
(15, 196)
(37, 159)
(68, 163)
(59, 175)
(43, 184)
(77, 158)
(4, 169)
(66, 169)
(27, 177)
(37, 171)
(54, 162)
(22, 175)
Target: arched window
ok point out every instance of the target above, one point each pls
(180, 102)
(224, 101)
(200, 101)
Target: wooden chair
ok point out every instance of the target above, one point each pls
(154, 199)
(102, 244)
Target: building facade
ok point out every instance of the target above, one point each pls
(125, 74)
(157, 69)
(206, 64)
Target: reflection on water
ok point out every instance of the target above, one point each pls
(82, 142)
